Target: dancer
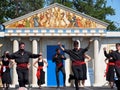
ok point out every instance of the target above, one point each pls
(5, 70)
(110, 68)
(84, 68)
(116, 57)
(77, 57)
(22, 60)
(40, 73)
(58, 59)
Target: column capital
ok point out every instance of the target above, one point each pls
(77, 38)
(96, 38)
(15, 38)
(34, 38)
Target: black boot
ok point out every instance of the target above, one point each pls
(71, 77)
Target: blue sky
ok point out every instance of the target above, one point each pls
(115, 4)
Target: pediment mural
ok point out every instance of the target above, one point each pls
(55, 17)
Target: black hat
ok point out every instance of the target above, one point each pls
(76, 42)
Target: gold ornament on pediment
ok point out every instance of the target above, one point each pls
(55, 18)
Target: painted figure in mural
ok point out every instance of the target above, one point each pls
(20, 24)
(31, 21)
(110, 68)
(77, 57)
(58, 59)
(22, 60)
(62, 22)
(58, 17)
(116, 57)
(44, 20)
(79, 22)
(40, 73)
(36, 23)
(67, 22)
(5, 70)
(27, 22)
(84, 68)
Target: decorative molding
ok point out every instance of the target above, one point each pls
(15, 38)
(55, 32)
(34, 38)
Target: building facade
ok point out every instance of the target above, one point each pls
(42, 29)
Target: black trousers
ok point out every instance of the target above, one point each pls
(23, 77)
(78, 74)
(62, 69)
(117, 82)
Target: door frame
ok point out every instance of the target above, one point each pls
(53, 41)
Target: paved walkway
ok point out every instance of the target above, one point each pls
(67, 88)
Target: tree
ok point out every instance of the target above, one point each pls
(67, 3)
(97, 9)
(14, 8)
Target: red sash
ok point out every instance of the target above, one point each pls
(0, 73)
(117, 63)
(77, 63)
(23, 65)
(107, 67)
(38, 71)
(59, 65)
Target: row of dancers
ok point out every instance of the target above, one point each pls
(78, 65)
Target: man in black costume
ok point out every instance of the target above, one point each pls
(58, 59)
(22, 60)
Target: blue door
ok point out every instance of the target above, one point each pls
(51, 76)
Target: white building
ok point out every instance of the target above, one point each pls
(42, 29)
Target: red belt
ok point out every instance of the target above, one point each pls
(106, 71)
(23, 65)
(117, 63)
(77, 63)
(38, 71)
(5, 66)
(59, 65)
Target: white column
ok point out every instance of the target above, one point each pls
(15, 76)
(96, 63)
(67, 62)
(34, 70)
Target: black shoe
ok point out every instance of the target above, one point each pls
(69, 80)
(58, 88)
(77, 88)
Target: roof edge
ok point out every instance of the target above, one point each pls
(54, 5)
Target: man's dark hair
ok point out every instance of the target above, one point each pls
(57, 49)
(117, 44)
(76, 42)
(21, 43)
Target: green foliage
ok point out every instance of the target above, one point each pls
(14, 8)
(97, 9)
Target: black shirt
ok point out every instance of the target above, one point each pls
(76, 54)
(110, 58)
(22, 58)
(59, 59)
(115, 55)
(5, 61)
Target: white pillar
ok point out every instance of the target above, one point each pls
(34, 70)
(15, 76)
(96, 63)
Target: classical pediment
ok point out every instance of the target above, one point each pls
(55, 16)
